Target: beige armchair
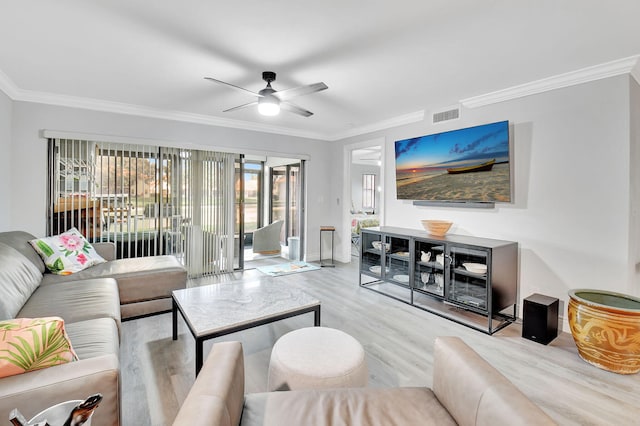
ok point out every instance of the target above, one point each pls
(266, 240)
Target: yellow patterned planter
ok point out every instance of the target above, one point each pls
(606, 328)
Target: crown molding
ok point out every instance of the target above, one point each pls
(8, 86)
(635, 72)
(584, 75)
(412, 117)
(18, 94)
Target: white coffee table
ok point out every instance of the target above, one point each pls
(215, 310)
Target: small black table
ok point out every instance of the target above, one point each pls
(331, 229)
(216, 310)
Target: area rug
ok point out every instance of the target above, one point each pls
(287, 268)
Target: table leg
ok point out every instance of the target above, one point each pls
(316, 316)
(199, 350)
(332, 239)
(321, 247)
(174, 312)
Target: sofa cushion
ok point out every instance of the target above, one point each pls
(28, 344)
(66, 253)
(355, 406)
(139, 279)
(19, 278)
(19, 240)
(94, 338)
(76, 301)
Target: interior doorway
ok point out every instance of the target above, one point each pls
(363, 192)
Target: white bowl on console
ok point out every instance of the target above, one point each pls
(378, 245)
(476, 268)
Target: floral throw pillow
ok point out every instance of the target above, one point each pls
(66, 253)
(28, 344)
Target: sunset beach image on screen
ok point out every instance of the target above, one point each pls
(469, 164)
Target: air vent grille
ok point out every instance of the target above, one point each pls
(451, 114)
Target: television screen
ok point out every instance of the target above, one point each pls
(469, 164)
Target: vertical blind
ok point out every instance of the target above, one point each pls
(207, 179)
(148, 200)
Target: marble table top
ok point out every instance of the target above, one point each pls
(214, 308)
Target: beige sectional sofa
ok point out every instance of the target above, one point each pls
(144, 284)
(92, 304)
(466, 391)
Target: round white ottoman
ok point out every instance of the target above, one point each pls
(317, 358)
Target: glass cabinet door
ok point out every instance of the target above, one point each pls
(468, 278)
(371, 254)
(430, 267)
(397, 260)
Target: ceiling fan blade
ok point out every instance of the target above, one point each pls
(285, 95)
(241, 106)
(233, 86)
(295, 109)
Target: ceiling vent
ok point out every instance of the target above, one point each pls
(451, 114)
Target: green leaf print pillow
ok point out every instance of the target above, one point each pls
(28, 344)
(66, 253)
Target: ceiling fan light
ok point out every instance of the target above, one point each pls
(269, 107)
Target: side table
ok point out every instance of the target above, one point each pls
(331, 229)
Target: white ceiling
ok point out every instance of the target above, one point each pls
(381, 59)
(367, 156)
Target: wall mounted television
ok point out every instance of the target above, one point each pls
(466, 165)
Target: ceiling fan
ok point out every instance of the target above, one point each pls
(270, 101)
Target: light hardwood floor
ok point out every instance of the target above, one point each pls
(398, 339)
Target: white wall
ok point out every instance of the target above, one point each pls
(571, 165)
(634, 166)
(29, 156)
(6, 106)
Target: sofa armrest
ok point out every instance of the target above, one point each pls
(475, 393)
(217, 396)
(34, 391)
(107, 250)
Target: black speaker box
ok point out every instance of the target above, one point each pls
(540, 318)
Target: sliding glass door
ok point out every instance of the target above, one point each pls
(286, 192)
(148, 200)
(249, 205)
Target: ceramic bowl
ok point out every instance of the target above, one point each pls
(377, 269)
(401, 278)
(437, 228)
(378, 245)
(476, 268)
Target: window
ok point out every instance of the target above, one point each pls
(368, 191)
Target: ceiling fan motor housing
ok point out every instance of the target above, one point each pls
(269, 76)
